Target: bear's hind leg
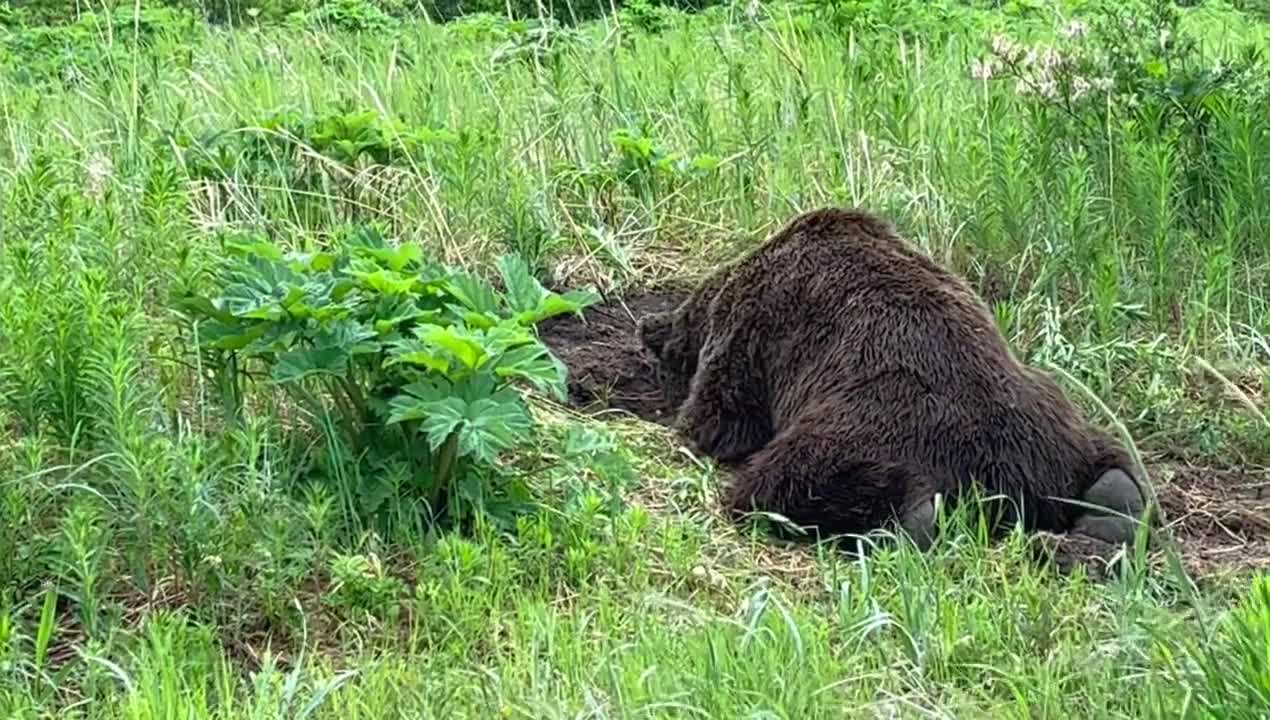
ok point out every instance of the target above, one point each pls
(807, 480)
(1122, 506)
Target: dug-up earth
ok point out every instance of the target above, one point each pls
(1219, 519)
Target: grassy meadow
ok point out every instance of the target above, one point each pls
(185, 537)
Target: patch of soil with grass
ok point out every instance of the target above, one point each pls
(608, 367)
(1220, 518)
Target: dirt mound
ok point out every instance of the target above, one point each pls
(608, 368)
(1220, 518)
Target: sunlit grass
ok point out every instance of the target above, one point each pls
(159, 562)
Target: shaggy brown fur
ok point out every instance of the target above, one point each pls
(852, 379)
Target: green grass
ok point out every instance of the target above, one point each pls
(158, 561)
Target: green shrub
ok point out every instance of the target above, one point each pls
(411, 366)
(347, 15)
(78, 48)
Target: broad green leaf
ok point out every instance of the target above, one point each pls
(261, 249)
(374, 491)
(406, 408)
(439, 417)
(360, 235)
(430, 389)
(294, 302)
(229, 336)
(202, 307)
(445, 417)
(486, 426)
(299, 364)
(388, 282)
(397, 311)
(276, 337)
(321, 262)
(464, 348)
(474, 387)
(494, 424)
(474, 293)
(245, 301)
(505, 336)
(581, 299)
(553, 304)
(414, 352)
(349, 335)
(342, 288)
(523, 290)
(471, 489)
(347, 149)
(397, 259)
(473, 319)
(535, 364)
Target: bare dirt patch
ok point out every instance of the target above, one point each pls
(1219, 517)
(608, 367)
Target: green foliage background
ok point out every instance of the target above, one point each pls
(186, 536)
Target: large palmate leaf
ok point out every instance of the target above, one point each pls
(396, 259)
(494, 424)
(251, 302)
(387, 282)
(231, 336)
(333, 348)
(485, 426)
(276, 337)
(553, 304)
(530, 301)
(535, 364)
(197, 307)
(418, 354)
(465, 346)
(350, 335)
(524, 292)
(473, 293)
(296, 365)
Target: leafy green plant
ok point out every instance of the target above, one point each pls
(347, 15)
(315, 163)
(91, 43)
(645, 16)
(359, 582)
(415, 367)
(648, 169)
(307, 144)
(1141, 61)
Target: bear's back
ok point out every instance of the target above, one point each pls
(852, 315)
(837, 293)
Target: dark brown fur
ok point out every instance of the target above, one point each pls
(851, 379)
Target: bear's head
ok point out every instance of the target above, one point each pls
(674, 343)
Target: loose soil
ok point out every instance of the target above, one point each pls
(1219, 517)
(608, 367)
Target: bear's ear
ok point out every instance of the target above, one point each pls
(654, 329)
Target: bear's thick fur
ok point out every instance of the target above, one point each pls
(852, 379)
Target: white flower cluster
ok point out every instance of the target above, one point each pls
(1044, 72)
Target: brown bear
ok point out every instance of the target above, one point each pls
(851, 379)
